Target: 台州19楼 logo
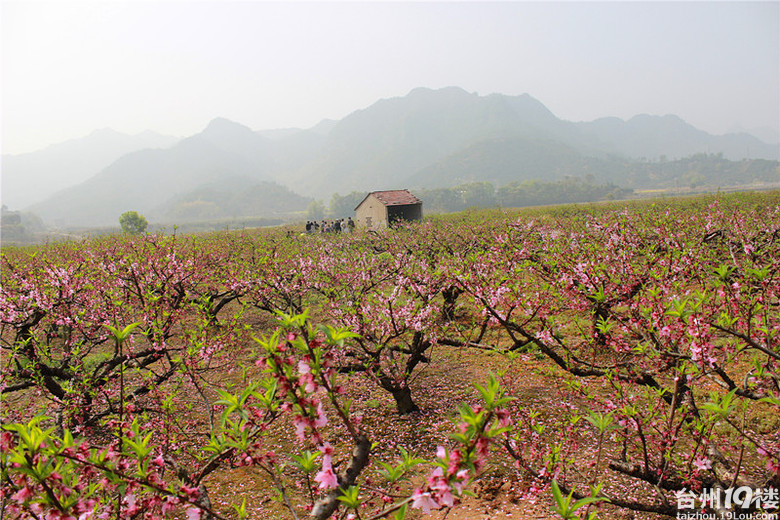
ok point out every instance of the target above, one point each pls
(742, 503)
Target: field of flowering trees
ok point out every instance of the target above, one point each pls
(600, 359)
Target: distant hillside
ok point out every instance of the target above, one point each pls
(19, 228)
(518, 194)
(504, 160)
(395, 138)
(700, 170)
(32, 177)
(232, 197)
(428, 139)
(653, 137)
(425, 136)
(143, 180)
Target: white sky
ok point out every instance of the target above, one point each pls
(70, 67)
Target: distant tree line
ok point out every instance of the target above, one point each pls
(18, 227)
(231, 200)
(344, 206)
(518, 194)
(700, 170)
(485, 195)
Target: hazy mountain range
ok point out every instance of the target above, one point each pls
(32, 177)
(426, 139)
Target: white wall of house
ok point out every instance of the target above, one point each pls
(371, 214)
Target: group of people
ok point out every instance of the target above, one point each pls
(334, 226)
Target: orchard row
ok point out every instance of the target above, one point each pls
(673, 308)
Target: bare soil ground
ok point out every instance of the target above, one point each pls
(438, 389)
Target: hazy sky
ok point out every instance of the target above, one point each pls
(69, 67)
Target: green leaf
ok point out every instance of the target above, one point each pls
(401, 513)
(306, 461)
(124, 333)
(771, 400)
(350, 497)
(603, 423)
(241, 510)
(724, 272)
(557, 495)
(587, 500)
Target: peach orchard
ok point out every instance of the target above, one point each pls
(120, 357)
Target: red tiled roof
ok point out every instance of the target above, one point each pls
(396, 197)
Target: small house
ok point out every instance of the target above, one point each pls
(382, 208)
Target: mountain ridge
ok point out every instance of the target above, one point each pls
(428, 138)
(33, 176)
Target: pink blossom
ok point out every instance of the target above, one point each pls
(422, 500)
(322, 419)
(23, 495)
(131, 506)
(702, 463)
(85, 507)
(545, 336)
(444, 496)
(169, 504)
(309, 384)
(192, 492)
(436, 475)
(462, 478)
(193, 513)
(327, 449)
(300, 424)
(455, 459)
(159, 461)
(327, 478)
(6, 440)
(482, 451)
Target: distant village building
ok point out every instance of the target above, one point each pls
(381, 208)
